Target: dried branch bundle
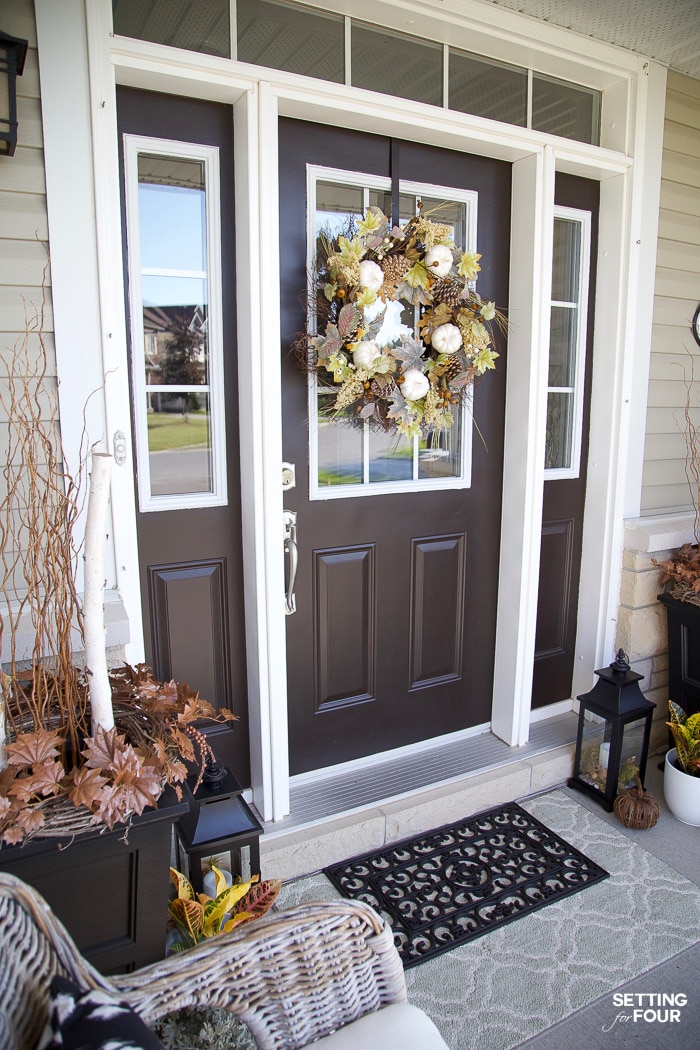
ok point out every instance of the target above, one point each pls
(56, 777)
(41, 503)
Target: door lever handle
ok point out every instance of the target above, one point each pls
(290, 548)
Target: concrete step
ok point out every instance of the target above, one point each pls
(301, 847)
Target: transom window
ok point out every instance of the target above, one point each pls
(348, 460)
(283, 34)
(176, 322)
(567, 341)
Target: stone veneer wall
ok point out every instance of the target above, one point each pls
(641, 627)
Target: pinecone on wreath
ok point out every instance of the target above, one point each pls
(446, 291)
(395, 267)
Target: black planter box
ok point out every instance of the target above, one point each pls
(683, 620)
(111, 895)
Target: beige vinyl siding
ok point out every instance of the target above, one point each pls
(675, 355)
(25, 280)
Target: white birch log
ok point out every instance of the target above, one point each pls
(93, 597)
(3, 732)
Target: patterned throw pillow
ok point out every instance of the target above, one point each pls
(81, 1020)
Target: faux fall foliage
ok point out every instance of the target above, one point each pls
(46, 790)
(409, 381)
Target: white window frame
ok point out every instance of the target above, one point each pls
(134, 146)
(470, 198)
(583, 219)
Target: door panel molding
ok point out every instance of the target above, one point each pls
(438, 568)
(345, 617)
(556, 563)
(189, 613)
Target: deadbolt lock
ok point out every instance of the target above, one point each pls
(289, 477)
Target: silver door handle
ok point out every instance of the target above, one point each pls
(290, 548)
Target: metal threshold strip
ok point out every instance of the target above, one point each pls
(335, 796)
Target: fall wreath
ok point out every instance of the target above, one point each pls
(409, 382)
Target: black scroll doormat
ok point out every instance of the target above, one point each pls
(448, 886)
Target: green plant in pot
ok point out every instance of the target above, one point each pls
(682, 766)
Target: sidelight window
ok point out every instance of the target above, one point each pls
(351, 460)
(567, 342)
(176, 323)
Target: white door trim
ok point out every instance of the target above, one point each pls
(91, 153)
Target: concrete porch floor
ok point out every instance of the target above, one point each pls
(307, 841)
(354, 812)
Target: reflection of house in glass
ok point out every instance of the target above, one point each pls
(175, 353)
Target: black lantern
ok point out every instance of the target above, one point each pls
(12, 55)
(219, 828)
(612, 741)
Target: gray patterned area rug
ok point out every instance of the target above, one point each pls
(453, 884)
(500, 990)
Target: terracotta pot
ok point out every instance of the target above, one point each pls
(681, 791)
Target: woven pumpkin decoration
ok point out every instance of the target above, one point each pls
(636, 808)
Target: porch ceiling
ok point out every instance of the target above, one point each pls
(665, 30)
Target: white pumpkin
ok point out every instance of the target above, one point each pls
(371, 276)
(366, 353)
(446, 339)
(415, 385)
(439, 260)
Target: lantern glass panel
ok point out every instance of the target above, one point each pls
(631, 753)
(595, 750)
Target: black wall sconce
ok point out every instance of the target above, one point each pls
(13, 52)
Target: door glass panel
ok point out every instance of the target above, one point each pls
(566, 270)
(172, 214)
(366, 457)
(562, 346)
(176, 325)
(559, 430)
(440, 454)
(390, 457)
(567, 341)
(340, 460)
(179, 443)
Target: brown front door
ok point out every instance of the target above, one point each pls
(394, 634)
(564, 497)
(190, 558)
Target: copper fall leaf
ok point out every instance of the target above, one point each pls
(183, 744)
(44, 780)
(88, 786)
(138, 782)
(30, 820)
(31, 749)
(103, 748)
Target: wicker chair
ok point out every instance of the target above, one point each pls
(293, 976)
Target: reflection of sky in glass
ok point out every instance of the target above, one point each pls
(173, 291)
(334, 224)
(392, 327)
(172, 227)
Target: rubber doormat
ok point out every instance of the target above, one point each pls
(450, 885)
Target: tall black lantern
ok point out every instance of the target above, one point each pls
(612, 741)
(12, 55)
(219, 827)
